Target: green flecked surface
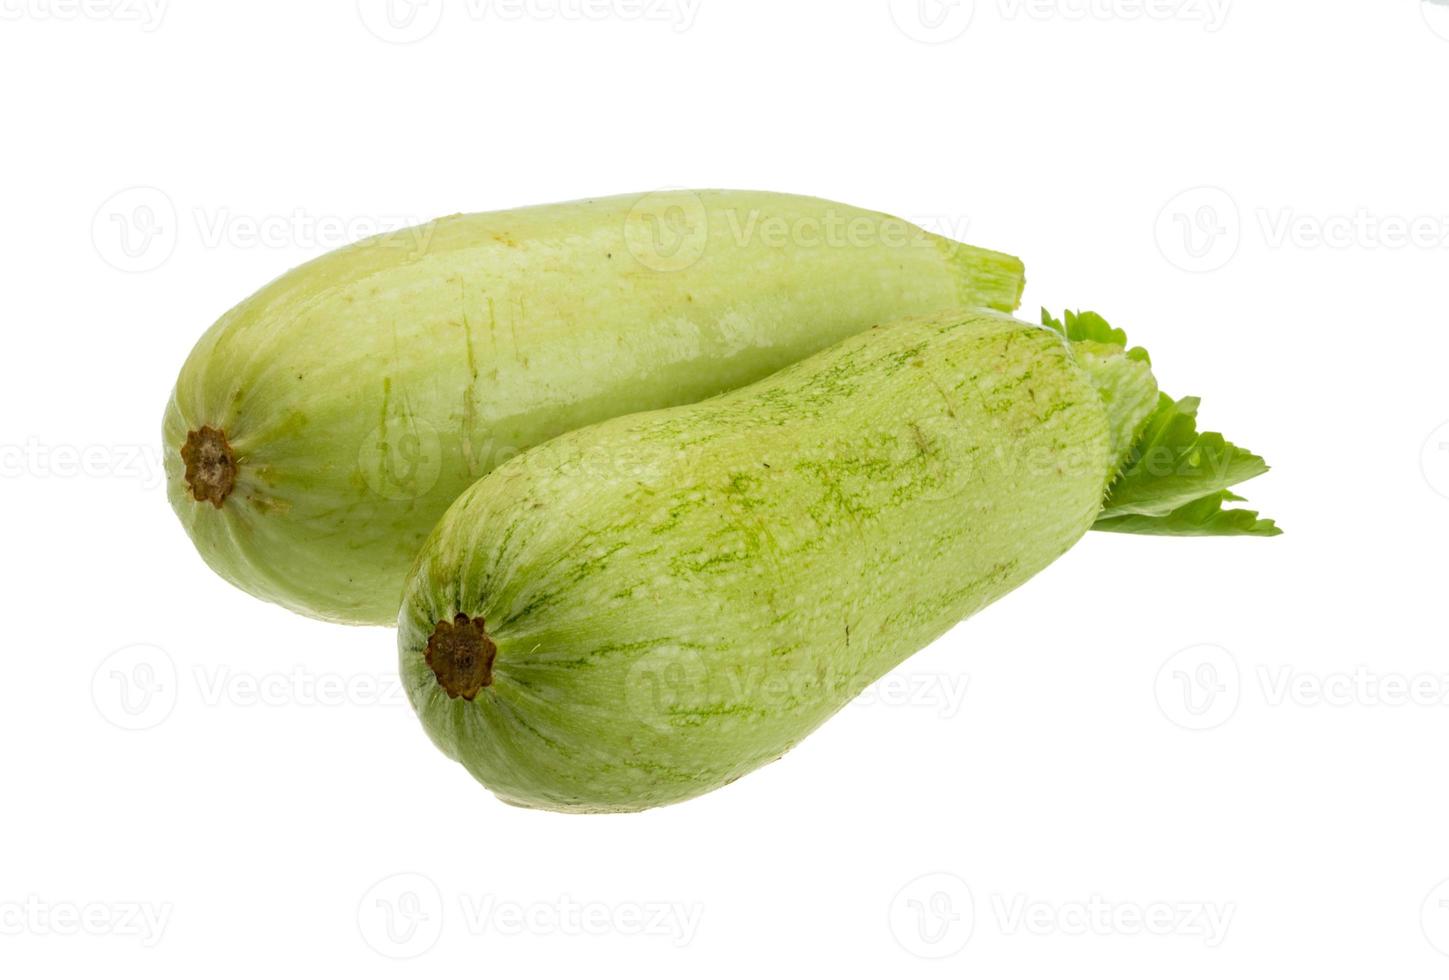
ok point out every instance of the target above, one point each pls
(363, 391)
(679, 596)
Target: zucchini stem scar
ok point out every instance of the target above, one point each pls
(461, 655)
(210, 465)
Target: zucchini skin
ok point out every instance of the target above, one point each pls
(677, 597)
(353, 399)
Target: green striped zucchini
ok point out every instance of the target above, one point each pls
(643, 610)
(320, 428)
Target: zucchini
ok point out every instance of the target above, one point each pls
(320, 428)
(643, 610)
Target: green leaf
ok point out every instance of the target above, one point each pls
(1172, 464)
(1204, 517)
(1174, 480)
(1089, 327)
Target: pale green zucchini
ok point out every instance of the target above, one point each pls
(320, 428)
(641, 611)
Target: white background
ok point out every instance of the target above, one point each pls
(198, 783)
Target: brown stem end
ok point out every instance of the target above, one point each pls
(210, 465)
(461, 655)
